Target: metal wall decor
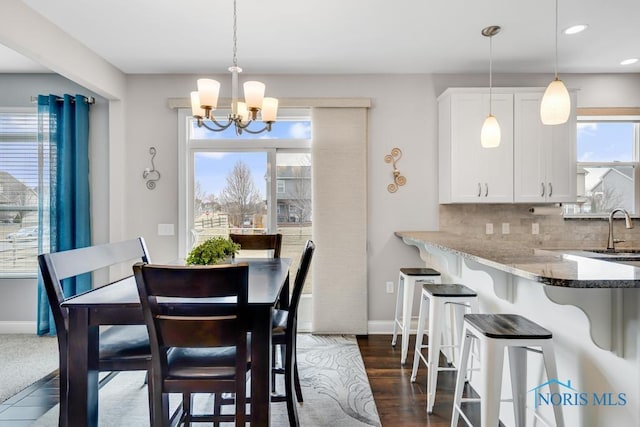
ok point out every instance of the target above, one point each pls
(398, 180)
(151, 175)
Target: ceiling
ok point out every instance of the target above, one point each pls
(345, 36)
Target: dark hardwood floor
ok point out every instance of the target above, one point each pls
(399, 401)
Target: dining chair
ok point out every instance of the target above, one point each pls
(197, 346)
(121, 347)
(284, 334)
(259, 242)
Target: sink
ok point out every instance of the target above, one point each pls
(615, 252)
(616, 255)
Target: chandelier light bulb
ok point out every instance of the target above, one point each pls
(490, 133)
(196, 109)
(269, 109)
(556, 104)
(253, 94)
(208, 90)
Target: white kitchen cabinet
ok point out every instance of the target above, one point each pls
(544, 156)
(534, 163)
(468, 172)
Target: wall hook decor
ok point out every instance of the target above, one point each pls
(151, 175)
(398, 180)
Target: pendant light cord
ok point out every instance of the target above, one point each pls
(555, 68)
(490, 70)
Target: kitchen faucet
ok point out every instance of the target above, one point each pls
(611, 242)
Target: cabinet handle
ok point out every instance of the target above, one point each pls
(486, 189)
(550, 190)
(542, 187)
(479, 189)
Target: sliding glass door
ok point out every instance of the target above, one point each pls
(254, 185)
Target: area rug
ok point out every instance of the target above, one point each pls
(24, 359)
(332, 375)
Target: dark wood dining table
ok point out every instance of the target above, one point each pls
(119, 304)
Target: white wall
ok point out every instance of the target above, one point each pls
(403, 114)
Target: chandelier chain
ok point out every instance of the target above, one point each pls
(235, 35)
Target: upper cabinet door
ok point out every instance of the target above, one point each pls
(470, 173)
(544, 156)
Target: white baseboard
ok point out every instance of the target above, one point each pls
(17, 327)
(384, 327)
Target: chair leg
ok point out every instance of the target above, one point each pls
(186, 407)
(273, 369)
(436, 311)
(289, 365)
(518, 370)
(296, 382)
(63, 419)
(419, 337)
(462, 367)
(396, 317)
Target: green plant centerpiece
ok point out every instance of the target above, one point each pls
(216, 250)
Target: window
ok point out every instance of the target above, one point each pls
(607, 165)
(247, 184)
(18, 191)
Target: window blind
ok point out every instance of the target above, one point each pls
(18, 191)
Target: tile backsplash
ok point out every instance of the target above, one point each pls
(554, 230)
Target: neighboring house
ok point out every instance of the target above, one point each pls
(294, 194)
(609, 188)
(16, 199)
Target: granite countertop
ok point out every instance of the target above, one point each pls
(572, 268)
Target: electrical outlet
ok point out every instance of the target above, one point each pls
(389, 287)
(506, 228)
(535, 228)
(489, 228)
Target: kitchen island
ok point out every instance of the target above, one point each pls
(589, 304)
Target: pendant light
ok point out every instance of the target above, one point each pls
(490, 133)
(556, 103)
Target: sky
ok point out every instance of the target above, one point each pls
(212, 168)
(605, 142)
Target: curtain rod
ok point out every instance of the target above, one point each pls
(90, 100)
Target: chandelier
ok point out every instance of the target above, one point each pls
(205, 100)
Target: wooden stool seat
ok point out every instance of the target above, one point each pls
(449, 290)
(408, 279)
(419, 272)
(507, 326)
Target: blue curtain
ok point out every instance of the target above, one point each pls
(63, 193)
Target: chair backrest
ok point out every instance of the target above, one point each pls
(259, 242)
(298, 284)
(177, 316)
(58, 266)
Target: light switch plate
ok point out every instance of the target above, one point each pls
(506, 228)
(535, 228)
(165, 230)
(489, 228)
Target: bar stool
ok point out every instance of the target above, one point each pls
(495, 332)
(436, 297)
(408, 279)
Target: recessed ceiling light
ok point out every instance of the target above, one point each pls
(575, 29)
(629, 61)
